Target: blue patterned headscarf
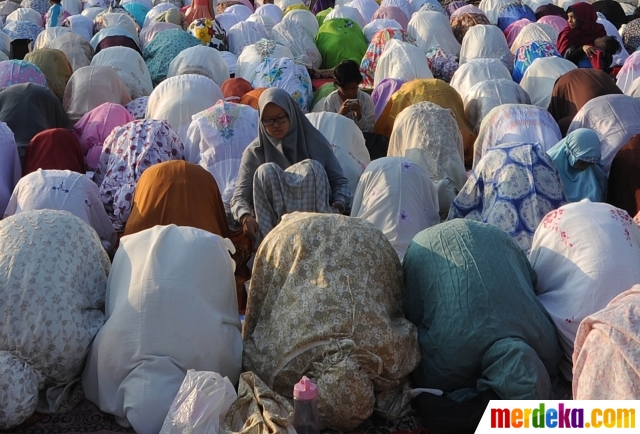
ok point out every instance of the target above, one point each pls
(22, 30)
(513, 187)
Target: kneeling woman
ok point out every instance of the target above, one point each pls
(289, 167)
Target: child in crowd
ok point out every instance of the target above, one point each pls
(605, 48)
(55, 14)
(349, 100)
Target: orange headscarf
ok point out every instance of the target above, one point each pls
(179, 193)
(251, 98)
(234, 89)
(185, 194)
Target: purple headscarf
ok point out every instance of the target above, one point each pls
(392, 13)
(554, 21)
(514, 30)
(453, 6)
(10, 170)
(383, 92)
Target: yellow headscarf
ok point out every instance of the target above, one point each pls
(431, 90)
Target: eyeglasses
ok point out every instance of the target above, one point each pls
(272, 122)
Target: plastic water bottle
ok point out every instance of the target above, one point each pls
(305, 407)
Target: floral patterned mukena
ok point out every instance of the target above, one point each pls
(375, 49)
(127, 152)
(53, 272)
(285, 74)
(360, 358)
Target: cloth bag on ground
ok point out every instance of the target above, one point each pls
(200, 405)
(258, 410)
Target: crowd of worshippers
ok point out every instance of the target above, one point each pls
(409, 194)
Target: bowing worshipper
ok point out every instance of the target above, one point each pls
(92, 86)
(398, 197)
(624, 183)
(513, 187)
(184, 194)
(428, 135)
(29, 109)
(10, 169)
(576, 88)
(479, 330)
(94, 127)
(605, 356)
(54, 273)
(585, 254)
(175, 286)
(578, 159)
(289, 167)
(302, 277)
(64, 190)
(127, 152)
(54, 149)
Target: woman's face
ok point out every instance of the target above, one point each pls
(572, 20)
(275, 121)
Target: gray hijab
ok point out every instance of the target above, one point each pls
(301, 142)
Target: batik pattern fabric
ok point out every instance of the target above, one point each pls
(513, 187)
(210, 33)
(20, 71)
(368, 349)
(54, 274)
(127, 152)
(285, 74)
(375, 49)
